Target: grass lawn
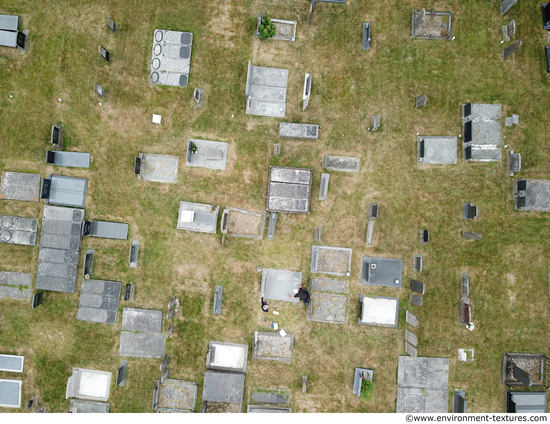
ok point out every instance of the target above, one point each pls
(508, 268)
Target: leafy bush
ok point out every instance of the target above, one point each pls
(267, 28)
(367, 390)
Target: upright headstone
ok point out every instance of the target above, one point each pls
(121, 374)
(410, 349)
(37, 299)
(411, 338)
(30, 403)
(421, 101)
(104, 53)
(156, 391)
(515, 119)
(522, 376)
(129, 291)
(318, 233)
(424, 236)
(198, 95)
(88, 264)
(511, 49)
(304, 377)
(272, 225)
(417, 263)
(170, 313)
(134, 250)
(373, 211)
(417, 286)
(310, 10)
(100, 91)
(173, 303)
(164, 375)
(307, 88)
(277, 149)
(375, 122)
(509, 30)
(218, 298)
(366, 36)
(165, 363)
(459, 404)
(323, 189)
(169, 331)
(111, 24)
(416, 300)
(419, 19)
(506, 5)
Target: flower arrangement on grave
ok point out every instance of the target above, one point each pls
(267, 28)
(194, 148)
(367, 389)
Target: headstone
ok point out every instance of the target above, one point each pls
(416, 300)
(121, 374)
(373, 211)
(304, 377)
(459, 404)
(165, 363)
(104, 53)
(417, 287)
(137, 166)
(169, 331)
(310, 11)
(466, 355)
(272, 224)
(469, 211)
(521, 185)
(323, 189)
(218, 298)
(370, 231)
(506, 5)
(307, 88)
(164, 375)
(509, 30)
(170, 314)
(545, 9)
(511, 49)
(468, 133)
(465, 311)
(88, 264)
(134, 249)
(421, 101)
(129, 291)
(277, 149)
(30, 403)
(515, 119)
(156, 391)
(57, 136)
(411, 338)
(411, 319)
(198, 95)
(173, 303)
(40, 411)
(514, 163)
(410, 349)
(375, 122)
(417, 263)
(521, 201)
(37, 299)
(366, 35)
(295, 130)
(100, 91)
(318, 233)
(111, 24)
(341, 163)
(465, 285)
(471, 235)
(467, 111)
(508, 121)
(522, 376)
(424, 236)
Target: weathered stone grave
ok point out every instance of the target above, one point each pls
(218, 297)
(89, 385)
(331, 260)
(77, 406)
(511, 49)
(341, 163)
(157, 168)
(171, 58)
(206, 154)
(470, 235)
(417, 287)
(222, 392)
(469, 211)
(320, 284)
(421, 101)
(266, 91)
(431, 25)
(533, 365)
(440, 150)
(328, 308)
(272, 225)
(509, 30)
(15, 285)
(20, 186)
(242, 223)
(411, 338)
(140, 336)
(99, 301)
(382, 272)
(100, 91)
(417, 263)
(198, 217)
(104, 53)
(375, 122)
(176, 396)
(307, 83)
(370, 231)
(289, 189)
(121, 374)
(416, 300)
(411, 319)
(506, 5)
(271, 346)
(278, 284)
(304, 377)
(294, 130)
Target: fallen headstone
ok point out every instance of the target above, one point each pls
(366, 35)
(37, 299)
(515, 119)
(421, 101)
(370, 231)
(508, 121)
(417, 287)
(411, 319)
(100, 91)
(471, 235)
(410, 349)
(169, 331)
(165, 362)
(417, 263)
(318, 233)
(111, 24)
(411, 338)
(304, 377)
(511, 49)
(341, 163)
(416, 300)
(293, 130)
(272, 225)
(506, 5)
(170, 313)
(307, 81)
(509, 30)
(465, 284)
(218, 297)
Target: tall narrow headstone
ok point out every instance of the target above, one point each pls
(307, 88)
(375, 122)
(134, 250)
(424, 236)
(310, 10)
(111, 24)
(37, 299)
(104, 53)
(419, 19)
(318, 233)
(506, 5)
(165, 363)
(522, 376)
(411, 338)
(366, 36)
(121, 374)
(511, 49)
(417, 287)
(198, 95)
(465, 285)
(272, 225)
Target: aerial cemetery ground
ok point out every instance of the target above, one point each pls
(507, 269)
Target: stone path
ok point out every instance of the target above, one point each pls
(329, 308)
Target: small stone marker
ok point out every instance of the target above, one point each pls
(373, 211)
(121, 374)
(471, 235)
(165, 363)
(164, 375)
(508, 30)
(100, 91)
(375, 122)
(157, 119)
(134, 249)
(323, 189)
(465, 355)
(318, 233)
(417, 263)
(522, 376)
(169, 331)
(465, 284)
(515, 119)
(506, 5)
(310, 11)
(218, 297)
(366, 35)
(170, 314)
(37, 299)
(511, 49)
(307, 86)
(419, 19)
(272, 224)
(416, 300)
(370, 231)
(304, 377)
(173, 303)
(469, 211)
(30, 403)
(411, 319)
(129, 291)
(57, 136)
(508, 121)
(104, 53)
(424, 236)
(276, 149)
(410, 349)
(421, 101)
(111, 24)
(198, 95)
(417, 287)
(411, 338)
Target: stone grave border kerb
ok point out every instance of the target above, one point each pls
(431, 37)
(347, 249)
(225, 216)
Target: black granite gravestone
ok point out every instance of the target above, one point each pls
(45, 188)
(424, 236)
(366, 36)
(111, 24)
(421, 149)
(37, 299)
(521, 201)
(137, 166)
(30, 403)
(522, 376)
(468, 134)
(511, 49)
(129, 291)
(104, 53)
(88, 264)
(417, 286)
(547, 54)
(522, 185)
(121, 374)
(416, 300)
(468, 152)
(373, 211)
(50, 156)
(467, 110)
(164, 375)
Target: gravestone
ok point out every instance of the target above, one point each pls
(129, 291)
(417, 287)
(506, 5)
(509, 30)
(375, 122)
(472, 236)
(111, 24)
(198, 95)
(170, 314)
(173, 303)
(88, 264)
(134, 249)
(370, 231)
(411, 338)
(508, 121)
(411, 319)
(419, 19)
(424, 236)
(522, 376)
(468, 132)
(417, 263)
(410, 349)
(515, 119)
(100, 91)
(521, 185)
(307, 88)
(366, 35)
(318, 233)
(156, 390)
(218, 298)
(30, 403)
(373, 211)
(465, 285)
(304, 377)
(295, 130)
(165, 363)
(37, 299)
(272, 224)
(323, 189)
(164, 375)
(104, 53)
(421, 101)
(277, 149)
(545, 9)
(341, 163)
(310, 10)
(465, 355)
(169, 331)
(514, 163)
(469, 211)
(459, 404)
(416, 300)
(511, 49)
(465, 311)
(57, 136)
(121, 374)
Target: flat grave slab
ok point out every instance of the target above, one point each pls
(382, 272)
(327, 307)
(537, 195)
(431, 25)
(484, 133)
(143, 320)
(481, 112)
(68, 159)
(262, 409)
(412, 400)
(89, 385)
(482, 154)
(104, 229)
(411, 338)
(158, 168)
(266, 91)
(417, 263)
(284, 30)
(11, 363)
(198, 217)
(526, 402)
(273, 347)
(433, 150)
(289, 189)
(133, 255)
(423, 373)
(15, 285)
(331, 260)
(366, 35)
(379, 311)
(77, 406)
(10, 393)
(18, 230)
(272, 225)
(223, 387)
(294, 130)
(227, 356)
(320, 284)
(323, 189)
(242, 223)
(275, 397)
(532, 364)
(9, 22)
(64, 191)
(171, 58)
(99, 301)
(141, 345)
(411, 319)
(370, 231)
(416, 300)
(20, 186)
(341, 163)
(208, 154)
(177, 396)
(278, 284)
(410, 349)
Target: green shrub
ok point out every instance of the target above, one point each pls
(367, 390)
(267, 28)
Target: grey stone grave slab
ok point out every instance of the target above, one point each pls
(104, 229)
(472, 236)
(413, 400)
(434, 150)
(480, 112)
(129, 291)
(382, 272)
(9, 22)
(133, 257)
(37, 299)
(56, 136)
(411, 338)
(417, 287)
(320, 284)
(111, 24)
(198, 217)
(10, 393)
(8, 38)
(284, 30)
(469, 211)
(121, 374)
(142, 320)
(307, 80)
(522, 376)
(11, 363)
(366, 35)
(410, 349)
(423, 373)
(431, 25)
(506, 5)
(328, 308)
(424, 236)
(279, 284)
(227, 356)
(358, 379)
(77, 406)
(416, 300)
(537, 195)
(411, 319)
(171, 58)
(514, 163)
(331, 260)
(465, 284)
(466, 355)
(370, 231)
(304, 377)
(272, 398)
(164, 375)
(459, 401)
(99, 301)
(177, 396)
(375, 122)
(15, 285)
(88, 264)
(318, 233)
(258, 409)
(218, 297)
(89, 385)
(373, 211)
(272, 225)
(293, 130)
(64, 191)
(341, 163)
(169, 331)
(104, 53)
(266, 91)
(465, 311)
(20, 186)
(378, 311)
(515, 119)
(141, 345)
(241, 223)
(165, 362)
(421, 101)
(198, 95)
(18, 230)
(276, 149)
(526, 402)
(206, 154)
(323, 189)
(417, 263)
(511, 49)
(68, 159)
(508, 121)
(223, 387)
(158, 168)
(271, 346)
(289, 189)
(509, 30)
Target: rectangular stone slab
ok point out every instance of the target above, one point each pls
(218, 297)
(331, 260)
(20, 186)
(323, 189)
(71, 159)
(205, 217)
(272, 225)
(328, 308)
(278, 284)
(417, 263)
(416, 300)
(78, 406)
(320, 284)
(411, 319)
(67, 191)
(417, 286)
(386, 272)
(304, 131)
(341, 163)
(414, 400)
(143, 320)
(271, 346)
(11, 363)
(358, 379)
(209, 154)
(370, 231)
(158, 168)
(99, 301)
(10, 393)
(177, 395)
(410, 349)
(223, 387)
(423, 373)
(142, 345)
(411, 338)
(15, 292)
